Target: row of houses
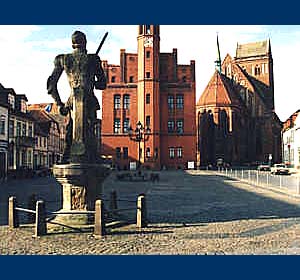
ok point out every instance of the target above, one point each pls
(31, 137)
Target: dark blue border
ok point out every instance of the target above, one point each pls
(150, 11)
(150, 267)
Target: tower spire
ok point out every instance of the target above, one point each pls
(218, 61)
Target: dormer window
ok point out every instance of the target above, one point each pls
(11, 101)
(23, 106)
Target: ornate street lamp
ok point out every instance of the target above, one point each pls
(139, 134)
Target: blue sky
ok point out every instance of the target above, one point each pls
(27, 54)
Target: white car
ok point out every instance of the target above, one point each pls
(280, 168)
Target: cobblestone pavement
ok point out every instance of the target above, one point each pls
(189, 213)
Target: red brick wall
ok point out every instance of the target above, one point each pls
(173, 79)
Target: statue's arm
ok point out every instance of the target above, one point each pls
(53, 80)
(100, 75)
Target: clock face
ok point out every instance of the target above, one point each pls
(148, 42)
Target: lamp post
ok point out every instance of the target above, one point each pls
(139, 134)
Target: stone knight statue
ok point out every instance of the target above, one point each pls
(84, 72)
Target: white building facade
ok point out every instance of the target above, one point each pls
(291, 142)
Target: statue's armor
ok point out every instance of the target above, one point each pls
(80, 69)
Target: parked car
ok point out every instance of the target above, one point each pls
(264, 167)
(280, 168)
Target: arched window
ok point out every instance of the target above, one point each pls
(257, 70)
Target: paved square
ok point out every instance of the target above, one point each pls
(193, 212)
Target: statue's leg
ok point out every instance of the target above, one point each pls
(68, 141)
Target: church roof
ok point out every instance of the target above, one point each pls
(219, 92)
(252, 49)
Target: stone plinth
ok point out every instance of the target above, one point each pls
(81, 187)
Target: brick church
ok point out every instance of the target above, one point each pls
(152, 89)
(235, 119)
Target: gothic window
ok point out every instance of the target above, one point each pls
(228, 71)
(179, 152)
(236, 78)
(156, 153)
(126, 101)
(113, 79)
(170, 102)
(148, 75)
(125, 152)
(179, 126)
(171, 153)
(131, 79)
(170, 126)
(147, 54)
(117, 126)
(147, 121)
(118, 152)
(148, 98)
(117, 101)
(125, 125)
(179, 101)
(257, 70)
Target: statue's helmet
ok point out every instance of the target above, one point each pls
(78, 40)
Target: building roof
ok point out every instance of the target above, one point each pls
(253, 49)
(43, 119)
(290, 122)
(52, 110)
(220, 91)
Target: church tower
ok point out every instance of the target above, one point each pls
(148, 93)
(256, 59)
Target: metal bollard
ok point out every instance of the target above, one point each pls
(31, 205)
(280, 181)
(113, 200)
(99, 229)
(141, 217)
(13, 218)
(40, 219)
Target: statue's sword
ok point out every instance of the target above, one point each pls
(101, 43)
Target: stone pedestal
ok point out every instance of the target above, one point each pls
(81, 187)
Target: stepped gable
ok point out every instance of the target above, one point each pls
(252, 49)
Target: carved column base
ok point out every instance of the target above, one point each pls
(81, 187)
